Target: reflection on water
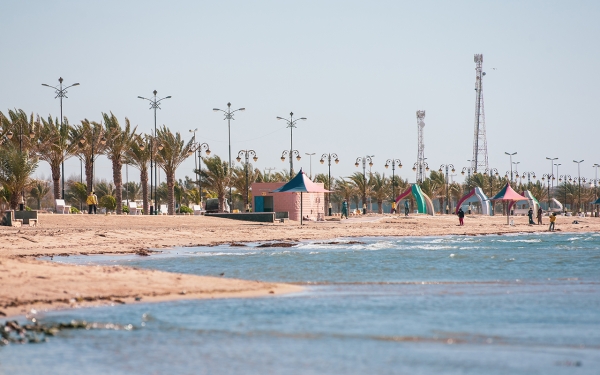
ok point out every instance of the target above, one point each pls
(517, 304)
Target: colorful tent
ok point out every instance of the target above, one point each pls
(486, 207)
(300, 184)
(507, 194)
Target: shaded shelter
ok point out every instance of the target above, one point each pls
(301, 184)
(508, 195)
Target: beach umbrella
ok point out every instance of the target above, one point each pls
(507, 194)
(300, 184)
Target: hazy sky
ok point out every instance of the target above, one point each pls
(358, 70)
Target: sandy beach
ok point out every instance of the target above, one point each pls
(28, 283)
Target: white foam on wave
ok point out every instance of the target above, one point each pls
(533, 240)
(214, 254)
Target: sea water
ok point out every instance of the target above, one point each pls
(510, 304)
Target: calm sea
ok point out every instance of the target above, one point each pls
(512, 304)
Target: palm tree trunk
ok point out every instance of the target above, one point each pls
(144, 181)
(88, 175)
(171, 192)
(117, 179)
(380, 206)
(222, 202)
(14, 200)
(56, 179)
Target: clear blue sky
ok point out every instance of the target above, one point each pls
(357, 69)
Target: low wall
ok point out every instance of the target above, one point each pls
(262, 217)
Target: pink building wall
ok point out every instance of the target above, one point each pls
(312, 203)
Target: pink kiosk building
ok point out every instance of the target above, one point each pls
(267, 201)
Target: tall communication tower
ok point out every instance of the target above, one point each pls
(421, 153)
(480, 154)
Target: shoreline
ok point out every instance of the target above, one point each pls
(29, 283)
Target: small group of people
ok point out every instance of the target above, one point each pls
(406, 207)
(92, 202)
(539, 216)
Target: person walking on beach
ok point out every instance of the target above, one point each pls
(539, 216)
(470, 208)
(530, 215)
(406, 209)
(345, 209)
(92, 202)
(393, 207)
(552, 220)
(461, 216)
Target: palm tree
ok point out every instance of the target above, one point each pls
(344, 189)
(89, 136)
(438, 188)
(39, 191)
(76, 193)
(380, 189)
(173, 153)
(138, 155)
(216, 177)
(362, 185)
(118, 143)
(15, 169)
(54, 147)
(105, 188)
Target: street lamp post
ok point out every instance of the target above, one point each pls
(529, 176)
(566, 177)
(552, 169)
(387, 164)
(579, 181)
(291, 123)
(247, 154)
(550, 177)
(329, 157)
(364, 164)
(310, 155)
(229, 116)
(447, 166)
(154, 104)
(61, 92)
(290, 154)
(196, 164)
(511, 163)
(419, 166)
(198, 147)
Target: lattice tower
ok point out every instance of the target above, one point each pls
(421, 153)
(479, 162)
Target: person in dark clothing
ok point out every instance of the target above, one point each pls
(539, 216)
(461, 216)
(406, 209)
(530, 215)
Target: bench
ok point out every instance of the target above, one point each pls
(61, 207)
(198, 209)
(164, 209)
(19, 218)
(133, 208)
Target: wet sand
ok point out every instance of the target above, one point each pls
(27, 283)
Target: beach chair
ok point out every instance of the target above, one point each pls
(133, 209)
(61, 207)
(197, 209)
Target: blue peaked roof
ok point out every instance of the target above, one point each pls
(300, 184)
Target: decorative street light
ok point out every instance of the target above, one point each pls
(154, 104)
(529, 176)
(566, 177)
(387, 164)
(197, 147)
(550, 177)
(492, 172)
(247, 154)
(447, 166)
(291, 154)
(291, 123)
(229, 116)
(468, 170)
(579, 181)
(551, 171)
(61, 92)
(364, 164)
(155, 146)
(419, 166)
(329, 157)
(310, 155)
(511, 163)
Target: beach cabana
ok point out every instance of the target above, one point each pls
(507, 194)
(301, 184)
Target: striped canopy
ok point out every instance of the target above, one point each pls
(508, 194)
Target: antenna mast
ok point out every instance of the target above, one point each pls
(421, 152)
(480, 154)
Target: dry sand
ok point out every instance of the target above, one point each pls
(27, 283)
